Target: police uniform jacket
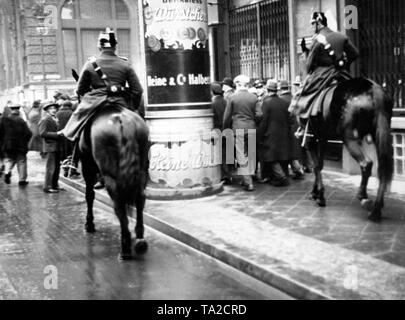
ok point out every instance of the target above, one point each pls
(48, 128)
(329, 49)
(14, 135)
(340, 45)
(119, 72)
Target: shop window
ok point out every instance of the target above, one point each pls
(399, 153)
(95, 9)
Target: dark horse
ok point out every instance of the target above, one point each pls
(115, 143)
(359, 110)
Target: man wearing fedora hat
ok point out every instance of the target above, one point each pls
(48, 128)
(274, 137)
(14, 138)
(240, 115)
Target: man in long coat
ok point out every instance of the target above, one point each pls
(274, 137)
(240, 116)
(14, 138)
(48, 128)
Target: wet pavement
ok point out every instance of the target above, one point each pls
(41, 231)
(279, 236)
(282, 238)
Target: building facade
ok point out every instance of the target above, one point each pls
(37, 58)
(259, 38)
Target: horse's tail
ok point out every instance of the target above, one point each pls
(129, 162)
(383, 140)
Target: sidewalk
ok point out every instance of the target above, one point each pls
(280, 237)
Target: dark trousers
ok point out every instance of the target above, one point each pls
(52, 170)
(276, 171)
(226, 168)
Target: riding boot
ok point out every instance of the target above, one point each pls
(100, 182)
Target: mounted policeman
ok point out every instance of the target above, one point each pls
(106, 79)
(328, 62)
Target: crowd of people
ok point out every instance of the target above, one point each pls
(237, 104)
(261, 109)
(35, 129)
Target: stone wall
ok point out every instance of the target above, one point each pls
(37, 44)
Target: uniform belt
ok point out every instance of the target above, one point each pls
(115, 89)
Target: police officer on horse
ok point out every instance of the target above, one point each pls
(328, 61)
(105, 80)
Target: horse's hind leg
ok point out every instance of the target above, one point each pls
(316, 149)
(366, 165)
(141, 246)
(375, 214)
(120, 208)
(89, 176)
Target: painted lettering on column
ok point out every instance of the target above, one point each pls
(176, 51)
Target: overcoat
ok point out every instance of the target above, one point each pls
(218, 108)
(274, 131)
(240, 112)
(48, 128)
(14, 135)
(295, 144)
(63, 115)
(34, 116)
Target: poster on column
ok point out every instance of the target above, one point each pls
(176, 50)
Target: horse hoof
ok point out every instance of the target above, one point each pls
(141, 246)
(367, 204)
(321, 202)
(90, 228)
(124, 256)
(374, 216)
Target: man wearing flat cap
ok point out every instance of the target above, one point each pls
(240, 115)
(48, 128)
(14, 138)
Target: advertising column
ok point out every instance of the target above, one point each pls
(178, 101)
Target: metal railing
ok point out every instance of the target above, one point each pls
(382, 45)
(259, 40)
